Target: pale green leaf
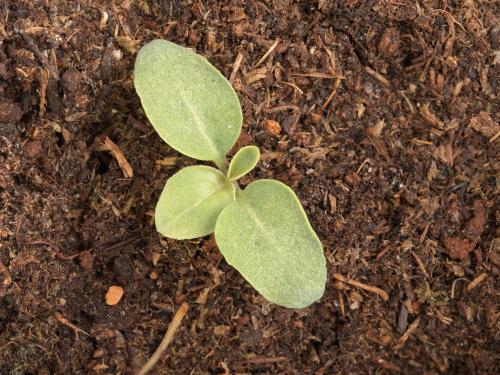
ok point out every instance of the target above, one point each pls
(189, 102)
(191, 202)
(266, 236)
(243, 162)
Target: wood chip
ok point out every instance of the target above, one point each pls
(221, 330)
(128, 43)
(114, 295)
(484, 124)
(458, 248)
(376, 130)
(429, 117)
(255, 75)
(169, 161)
(272, 127)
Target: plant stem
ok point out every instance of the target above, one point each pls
(237, 186)
(221, 164)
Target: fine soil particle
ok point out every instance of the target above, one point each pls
(383, 117)
(10, 111)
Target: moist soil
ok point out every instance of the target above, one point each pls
(382, 115)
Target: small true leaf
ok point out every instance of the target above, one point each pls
(189, 102)
(243, 162)
(266, 236)
(191, 202)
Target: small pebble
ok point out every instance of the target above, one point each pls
(114, 295)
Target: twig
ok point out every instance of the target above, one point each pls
(3, 33)
(111, 246)
(412, 328)
(109, 145)
(54, 249)
(172, 328)
(424, 233)
(34, 48)
(446, 320)
(420, 264)
(341, 302)
(495, 136)
(318, 75)
(281, 108)
(379, 77)
(266, 360)
(236, 66)
(382, 252)
(362, 165)
(476, 282)
(61, 319)
(332, 95)
(325, 367)
(357, 284)
(294, 86)
(271, 49)
(43, 78)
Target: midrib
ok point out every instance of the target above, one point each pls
(199, 123)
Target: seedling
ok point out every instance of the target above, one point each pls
(262, 231)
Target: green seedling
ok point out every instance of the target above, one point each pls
(262, 231)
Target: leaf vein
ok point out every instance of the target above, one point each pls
(199, 123)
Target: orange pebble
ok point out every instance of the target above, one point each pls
(114, 295)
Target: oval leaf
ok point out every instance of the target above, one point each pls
(189, 102)
(243, 162)
(266, 236)
(191, 202)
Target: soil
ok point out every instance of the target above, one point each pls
(382, 115)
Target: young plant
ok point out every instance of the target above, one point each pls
(262, 231)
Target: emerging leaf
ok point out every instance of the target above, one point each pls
(189, 102)
(191, 202)
(243, 162)
(266, 236)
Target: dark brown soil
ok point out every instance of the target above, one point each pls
(398, 172)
